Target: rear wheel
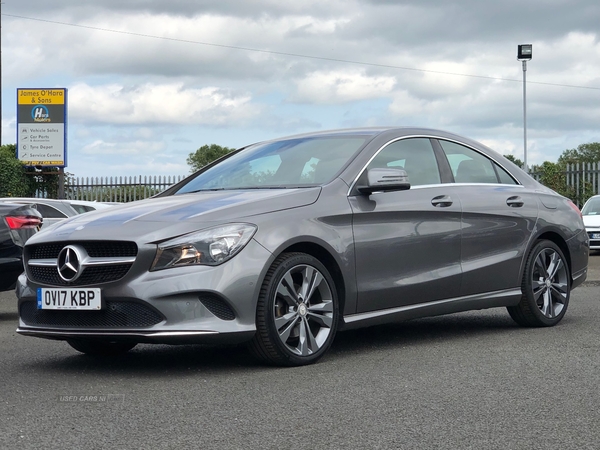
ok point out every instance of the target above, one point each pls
(546, 287)
(297, 312)
(100, 348)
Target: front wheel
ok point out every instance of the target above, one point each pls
(546, 287)
(100, 348)
(297, 312)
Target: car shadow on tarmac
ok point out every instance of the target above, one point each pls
(168, 360)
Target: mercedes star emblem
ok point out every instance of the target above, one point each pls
(69, 263)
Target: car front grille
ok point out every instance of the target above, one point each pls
(116, 314)
(91, 275)
(94, 274)
(95, 249)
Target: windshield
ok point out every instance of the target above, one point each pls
(592, 207)
(281, 164)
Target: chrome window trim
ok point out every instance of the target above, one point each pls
(377, 153)
(486, 184)
(485, 156)
(439, 138)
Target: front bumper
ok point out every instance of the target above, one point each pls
(594, 236)
(148, 337)
(196, 304)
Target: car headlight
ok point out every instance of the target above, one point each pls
(209, 247)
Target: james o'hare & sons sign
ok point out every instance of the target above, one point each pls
(41, 127)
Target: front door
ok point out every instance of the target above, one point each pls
(407, 243)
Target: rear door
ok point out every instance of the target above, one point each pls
(499, 216)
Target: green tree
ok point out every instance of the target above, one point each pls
(13, 181)
(552, 175)
(205, 155)
(16, 180)
(584, 153)
(514, 160)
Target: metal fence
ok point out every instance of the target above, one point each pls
(582, 180)
(117, 189)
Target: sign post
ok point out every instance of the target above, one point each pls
(41, 129)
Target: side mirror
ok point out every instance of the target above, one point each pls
(385, 180)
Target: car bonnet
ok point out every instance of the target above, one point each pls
(158, 218)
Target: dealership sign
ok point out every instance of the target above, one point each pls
(41, 127)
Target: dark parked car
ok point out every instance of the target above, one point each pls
(284, 242)
(17, 224)
(52, 211)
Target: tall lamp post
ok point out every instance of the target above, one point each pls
(524, 54)
(0, 73)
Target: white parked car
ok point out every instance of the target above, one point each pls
(591, 220)
(83, 206)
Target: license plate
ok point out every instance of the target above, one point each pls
(595, 236)
(68, 298)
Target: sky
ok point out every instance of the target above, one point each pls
(149, 82)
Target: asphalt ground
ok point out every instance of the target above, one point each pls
(593, 276)
(472, 380)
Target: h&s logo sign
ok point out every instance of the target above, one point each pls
(40, 113)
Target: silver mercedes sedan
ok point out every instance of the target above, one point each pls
(283, 243)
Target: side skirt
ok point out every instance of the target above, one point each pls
(507, 297)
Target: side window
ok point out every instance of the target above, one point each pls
(48, 212)
(505, 178)
(415, 156)
(82, 208)
(469, 166)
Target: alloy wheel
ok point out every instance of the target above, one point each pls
(303, 310)
(550, 283)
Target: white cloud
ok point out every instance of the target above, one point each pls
(159, 103)
(131, 148)
(169, 93)
(342, 86)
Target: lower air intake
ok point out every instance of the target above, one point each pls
(217, 306)
(116, 314)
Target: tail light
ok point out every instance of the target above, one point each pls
(574, 206)
(20, 222)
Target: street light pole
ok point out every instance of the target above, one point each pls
(524, 54)
(0, 73)
(525, 115)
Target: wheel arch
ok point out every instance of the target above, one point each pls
(557, 239)
(328, 260)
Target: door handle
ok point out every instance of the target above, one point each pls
(515, 202)
(442, 201)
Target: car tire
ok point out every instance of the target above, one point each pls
(297, 312)
(101, 348)
(546, 287)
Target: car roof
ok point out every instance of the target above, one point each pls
(370, 131)
(392, 131)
